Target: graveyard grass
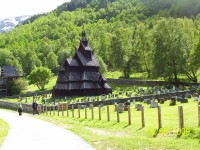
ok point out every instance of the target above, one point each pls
(113, 75)
(4, 128)
(121, 136)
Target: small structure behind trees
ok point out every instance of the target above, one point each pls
(8, 74)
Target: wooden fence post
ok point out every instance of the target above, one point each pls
(198, 113)
(159, 118)
(50, 110)
(142, 116)
(85, 112)
(79, 114)
(118, 119)
(73, 111)
(108, 113)
(43, 108)
(67, 110)
(180, 116)
(92, 111)
(62, 110)
(99, 112)
(39, 108)
(58, 106)
(46, 109)
(129, 115)
(54, 110)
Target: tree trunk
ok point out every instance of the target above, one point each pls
(149, 73)
(126, 74)
(175, 74)
(192, 76)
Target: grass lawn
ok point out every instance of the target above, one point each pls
(121, 136)
(4, 128)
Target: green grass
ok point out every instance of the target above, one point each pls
(118, 136)
(4, 128)
(49, 86)
(113, 75)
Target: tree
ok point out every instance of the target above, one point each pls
(172, 47)
(121, 56)
(52, 62)
(145, 47)
(40, 77)
(16, 86)
(6, 57)
(103, 67)
(62, 55)
(193, 63)
(30, 61)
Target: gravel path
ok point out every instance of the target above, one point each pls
(28, 133)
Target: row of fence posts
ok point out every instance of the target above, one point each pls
(180, 114)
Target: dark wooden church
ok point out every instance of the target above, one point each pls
(80, 75)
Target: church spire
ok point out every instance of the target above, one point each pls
(84, 39)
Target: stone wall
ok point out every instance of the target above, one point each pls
(30, 94)
(13, 106)
(28, 107)
(143, 82)
(135, 98)
(137, 82)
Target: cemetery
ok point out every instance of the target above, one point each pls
(82, 94)
(121, 103)
(131, 83)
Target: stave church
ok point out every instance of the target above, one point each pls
(80, 76)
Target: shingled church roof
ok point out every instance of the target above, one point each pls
(8, 71)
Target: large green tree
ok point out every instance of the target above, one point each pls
(40, 77)
(172, 46)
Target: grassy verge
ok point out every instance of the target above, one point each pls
(121, 136)
(4, 128)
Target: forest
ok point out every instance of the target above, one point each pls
(159, 37)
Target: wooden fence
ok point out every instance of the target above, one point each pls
(63, 110)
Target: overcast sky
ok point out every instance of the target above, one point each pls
(12, 8)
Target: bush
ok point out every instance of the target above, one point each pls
(16, 86)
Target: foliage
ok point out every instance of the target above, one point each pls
(17, 86)
(172, 47)
(40, 77)
(103, 67)
(130, 36)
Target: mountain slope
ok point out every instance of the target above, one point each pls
(9, 23)
(48, 39)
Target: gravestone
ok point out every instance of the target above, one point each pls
(196, 96)
(153, 104)
(183, 100)
(172, 101)
(126, 104)
(91, 106)
(148, 101)
(138, 107)
(120, 107)
(188, 95)
(161, 100)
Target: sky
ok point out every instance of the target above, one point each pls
(13, 8)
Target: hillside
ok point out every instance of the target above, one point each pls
(123, 34)
(10, 23)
